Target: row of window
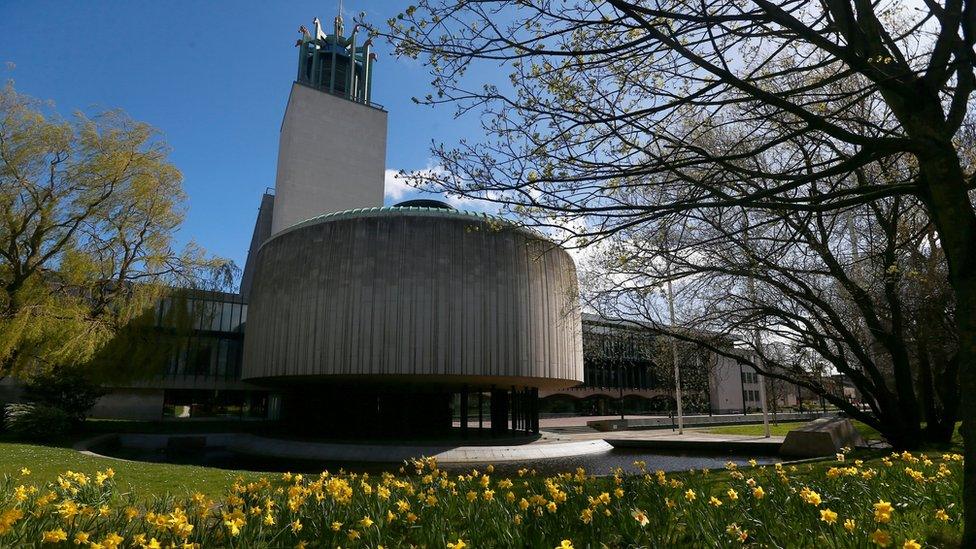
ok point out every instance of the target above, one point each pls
(202, 313)
(209, 356)
(196, 403)
(630, 376)
(213, 344)
(750, 377)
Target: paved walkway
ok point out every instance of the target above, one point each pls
(691, 440)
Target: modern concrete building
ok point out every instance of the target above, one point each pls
(387, 313)
(365, 319)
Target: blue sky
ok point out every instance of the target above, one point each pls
(214, 77)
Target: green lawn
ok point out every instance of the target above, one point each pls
(781, 429)
(143, 479)
(869, 433)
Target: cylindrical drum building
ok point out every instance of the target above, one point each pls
(393, 319)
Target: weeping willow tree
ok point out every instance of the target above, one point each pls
(89, 207)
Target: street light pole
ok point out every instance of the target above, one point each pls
(762, 391)
(674, 358)
(757, 341)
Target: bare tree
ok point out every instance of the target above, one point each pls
(604, 99)
(863, 289)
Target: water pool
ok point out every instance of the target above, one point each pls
(597, 464)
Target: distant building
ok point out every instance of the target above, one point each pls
(625, 363)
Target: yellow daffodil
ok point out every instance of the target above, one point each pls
(112, 541)
(882, 512)
(809, 496)
(881, 538)
(54, 536)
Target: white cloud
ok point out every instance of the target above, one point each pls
(394, 187)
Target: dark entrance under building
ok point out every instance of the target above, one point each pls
(373, 411)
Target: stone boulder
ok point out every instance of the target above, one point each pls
(821, 437)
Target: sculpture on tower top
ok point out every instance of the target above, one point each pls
(333, 63)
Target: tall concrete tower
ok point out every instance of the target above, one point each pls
(332, 149)
(332, 146)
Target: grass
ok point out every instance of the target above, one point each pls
(142, 479)
(784, 427)
(780, 429)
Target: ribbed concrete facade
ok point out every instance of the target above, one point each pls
(414, 295)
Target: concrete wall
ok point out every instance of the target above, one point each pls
(667, 422)
(331, 157)
(138, 404)
(262, 230)
(407, 292)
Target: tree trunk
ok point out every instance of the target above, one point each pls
(940, 431)
(898, 433)
(945, 194)
(966, 320)
(940, 409)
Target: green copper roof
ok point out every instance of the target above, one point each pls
(386, 211)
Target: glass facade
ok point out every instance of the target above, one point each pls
(213, 345)
(621, 360)
(202, 403)
(204, 333)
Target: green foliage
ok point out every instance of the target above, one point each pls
(90, 207)
(36, 421)
(67, 388)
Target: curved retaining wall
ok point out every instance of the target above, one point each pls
(414, 294)
(249, 444)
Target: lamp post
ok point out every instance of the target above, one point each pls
(674, 358)
(757, 341)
